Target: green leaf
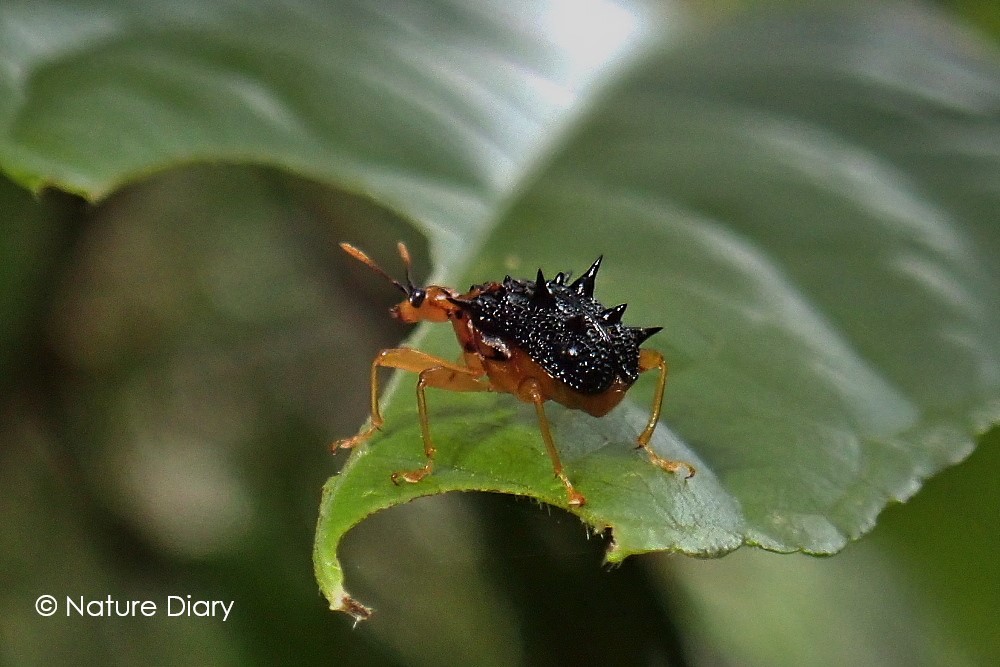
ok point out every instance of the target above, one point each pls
(806, 203)
(489, 444)
(433, 108)
(829, 305)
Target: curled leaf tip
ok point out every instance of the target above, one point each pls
(349, 605)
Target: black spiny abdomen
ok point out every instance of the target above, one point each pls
(562, 328)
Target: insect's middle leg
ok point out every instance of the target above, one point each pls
(648, 360)
(406, 359)
(573, 497)
(452, 378)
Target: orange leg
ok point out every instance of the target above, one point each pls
(531, 389)
(433, 371)
(648, 360)
(452, 378)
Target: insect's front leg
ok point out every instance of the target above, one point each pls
(649, 360)
(450, 378)
(403, 358)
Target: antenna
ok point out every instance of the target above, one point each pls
(367, 261)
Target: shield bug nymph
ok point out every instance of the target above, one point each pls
(539, 340)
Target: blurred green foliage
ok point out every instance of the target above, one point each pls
(981, 14)
(176, 356)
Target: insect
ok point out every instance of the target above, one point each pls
(539, 340)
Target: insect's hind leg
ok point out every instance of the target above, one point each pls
(648, 360)
(451, 378)
(403, 358)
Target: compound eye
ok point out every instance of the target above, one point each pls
(417, 297)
